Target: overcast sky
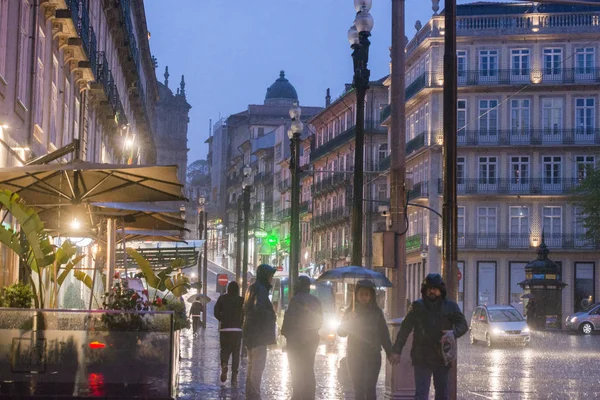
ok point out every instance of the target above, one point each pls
(230, 51)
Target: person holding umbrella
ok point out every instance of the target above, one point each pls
(228, 311)
(367, 332)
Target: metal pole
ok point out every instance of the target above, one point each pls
(449, 208)
(238, 245)
(246, 227)
(205, 271)
(360, 56)
(400, 381)
(200, 227)
(295, 216)
(111, 235)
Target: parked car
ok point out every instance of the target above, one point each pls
(498, 324)
(585, 321)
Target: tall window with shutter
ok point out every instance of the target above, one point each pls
(66, 128)
(3, 37)
(39, 81)
(54, 102)
(23, 52)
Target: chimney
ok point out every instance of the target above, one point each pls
(327, 98)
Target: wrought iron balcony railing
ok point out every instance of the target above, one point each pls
(514, 186)
(371, 127)
(285, 185)
(537, 137)
(524, 76)
(385, 113)
(565, 241)
(330, 183)
(419, 190)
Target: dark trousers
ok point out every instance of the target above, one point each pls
(230, 346)
(196, 322)
(301, 356)
(364, 371)
(423, 382)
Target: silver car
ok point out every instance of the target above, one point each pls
(585, 321)
(498, 324)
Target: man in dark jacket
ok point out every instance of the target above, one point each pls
(259, 328)
(430, 318)
(228, 311)
(301, 324)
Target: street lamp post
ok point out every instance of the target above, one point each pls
(358, 35)
(294, 135)
(246, 185)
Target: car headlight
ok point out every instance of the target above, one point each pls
(574, 319)
(332, 324)
(526, 330)
(498, 331)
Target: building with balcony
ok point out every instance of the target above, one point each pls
(256, 137)
(528, 78)
(331, 160)
(74, 71)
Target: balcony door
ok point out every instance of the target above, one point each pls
(488, 175)
(585, 121)
(520, 121)
(519, 71)
(488, 66)
(519, 227)
(553, 65)
(488, 121)
(552, 174)
(552, 224)
(552, 119)
(487, 223)
(519, 174)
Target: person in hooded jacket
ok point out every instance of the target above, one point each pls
(367, 332)
(259, 328)
(430, 318)
(301, 323)
(228, 311)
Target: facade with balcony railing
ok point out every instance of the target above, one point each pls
(528, 133)
(331, 157)
(68, 71)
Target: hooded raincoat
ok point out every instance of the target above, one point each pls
(259, 315)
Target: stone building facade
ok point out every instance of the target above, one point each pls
(528, 133)
(73, 69)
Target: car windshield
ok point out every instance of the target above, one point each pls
(505, 315)
(591, 306)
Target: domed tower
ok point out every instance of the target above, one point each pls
(281, 92)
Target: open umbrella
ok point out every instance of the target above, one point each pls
(199, 297)
(83, 182)
(353, 274)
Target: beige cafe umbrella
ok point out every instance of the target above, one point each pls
(83, 182)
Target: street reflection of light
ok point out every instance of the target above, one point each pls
(284, 372)
(496, 371)
(332, 378)
(527, 381)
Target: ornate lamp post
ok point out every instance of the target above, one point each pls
(294, 135)
(246, 185)
(358, 35)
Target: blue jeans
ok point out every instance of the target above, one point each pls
(423, 382)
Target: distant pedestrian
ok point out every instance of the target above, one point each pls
(228, 311)
(367, 332)
(432, 318)
(196, 313)
(301, 325)
(259, 328)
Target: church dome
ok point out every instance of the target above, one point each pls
(281, 91)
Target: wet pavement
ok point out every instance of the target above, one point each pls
(557, 365)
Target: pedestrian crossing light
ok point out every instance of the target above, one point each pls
(272, 240)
